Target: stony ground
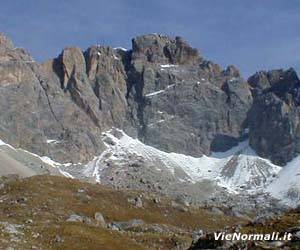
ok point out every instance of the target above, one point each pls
(51, 212)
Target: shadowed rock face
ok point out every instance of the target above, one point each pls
(275, 115)
(182, 103)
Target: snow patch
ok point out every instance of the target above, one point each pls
(2, 143)
(53, 141)
(155, 93)
(286, 186)
(237, 167)
(160, 91)
(120, 48)
(45, 159)
(66, 174)
(233, 79)
(168, 65)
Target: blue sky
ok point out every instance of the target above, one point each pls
(251, 34)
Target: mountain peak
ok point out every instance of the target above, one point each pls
(156, 48)
(5, 41)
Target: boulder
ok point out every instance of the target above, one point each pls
(75, 218)
(79, 218)
(138, 202)
(126, 225)
(100, 221)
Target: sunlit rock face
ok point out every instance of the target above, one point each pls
(60, 100)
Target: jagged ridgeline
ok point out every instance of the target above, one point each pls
(161, 91)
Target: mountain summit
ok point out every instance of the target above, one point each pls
(162, 95)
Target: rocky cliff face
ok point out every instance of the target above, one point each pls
(275, 115)
(182, 103)
(161, 91)
(56, 109)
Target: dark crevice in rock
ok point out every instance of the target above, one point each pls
(57, 68)
(43, 83)
(80, 102)
(95, 84)
(225, 88)
(126, 61)
(222, 143)
(50, 106)
(136, 82)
